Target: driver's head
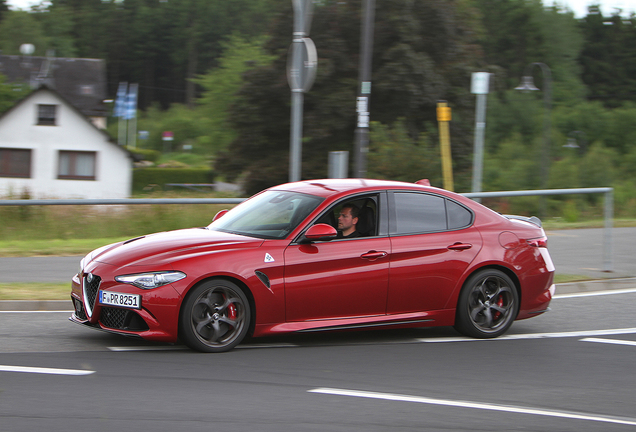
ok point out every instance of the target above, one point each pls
(348, 218)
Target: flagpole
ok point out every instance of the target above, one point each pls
(132, 115)
(120, 111)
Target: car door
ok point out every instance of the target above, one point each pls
(341, 277)
(432, 244)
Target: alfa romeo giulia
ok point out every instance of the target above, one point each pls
(322, 255)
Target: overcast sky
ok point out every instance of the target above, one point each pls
(579, 7)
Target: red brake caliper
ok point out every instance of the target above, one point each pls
(231, 311)
(500, 304)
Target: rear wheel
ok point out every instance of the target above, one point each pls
(215, 316)
(487, 305)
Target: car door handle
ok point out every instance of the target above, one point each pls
(460, 246)
(373, 255)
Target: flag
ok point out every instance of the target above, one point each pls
(120, 102)
(131, 102)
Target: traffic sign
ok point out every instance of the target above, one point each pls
(302, 64)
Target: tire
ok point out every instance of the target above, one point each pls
(487, 305)
(215, 316)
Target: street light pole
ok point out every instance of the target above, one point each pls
(527, 84)
(479, 85)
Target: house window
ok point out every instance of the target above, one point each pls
(15, 162)
(75, 165)
(46, 114)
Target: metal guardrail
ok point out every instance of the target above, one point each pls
(608, 206)
(608, 210)
(123, 201)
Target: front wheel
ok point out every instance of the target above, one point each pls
(487, 305)
(215, 316)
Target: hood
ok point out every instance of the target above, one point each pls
(166, 247)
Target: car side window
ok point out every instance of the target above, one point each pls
(367, 215)
(419, 212)
(458, 216)
(416, 212)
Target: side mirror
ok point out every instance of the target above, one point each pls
(319, 232)
(219, 214)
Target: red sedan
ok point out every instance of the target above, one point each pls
(322, 255)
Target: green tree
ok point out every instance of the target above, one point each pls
(519, 32)
(20, 27)
(10, 93)
(597, 168)
(423, 52)
(609, 57)
(221, 84)
(394, 155)
(161, 45)
(57, 25)
(3, 9)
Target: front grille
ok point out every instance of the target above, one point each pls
(79, 309)
(91, 286)
(122, 319)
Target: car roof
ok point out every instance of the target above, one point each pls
(329, 187)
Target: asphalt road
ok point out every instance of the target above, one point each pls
(574, 252)
(571, 369)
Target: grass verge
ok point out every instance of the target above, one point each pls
(35, 291)
(54, 247)
(565, 278)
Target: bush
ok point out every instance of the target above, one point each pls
(143, 178)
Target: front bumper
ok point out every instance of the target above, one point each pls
(156, 320)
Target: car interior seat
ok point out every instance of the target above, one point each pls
(366, 221)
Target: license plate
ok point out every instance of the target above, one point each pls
(111, 298)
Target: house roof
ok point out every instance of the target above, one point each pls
(82, 82)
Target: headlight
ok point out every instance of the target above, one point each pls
(151, 280)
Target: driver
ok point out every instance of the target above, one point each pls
(347, 221)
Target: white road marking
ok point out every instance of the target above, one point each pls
(278, 345)
(38, 311)
(586, 333)
(148, 348)
(50, 371)
(594, 293)
(184, 348)
(610, 341)
(475, 405)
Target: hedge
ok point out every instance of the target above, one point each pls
(145, 179)
(144, 154)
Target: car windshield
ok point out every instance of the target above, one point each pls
(270, 215)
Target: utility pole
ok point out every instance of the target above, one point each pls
(364, 89)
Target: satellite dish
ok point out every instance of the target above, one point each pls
(27, 49)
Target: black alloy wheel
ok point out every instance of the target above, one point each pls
(487, 305)
(215, 316)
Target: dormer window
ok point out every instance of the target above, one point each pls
(46, 115)
(87, 90)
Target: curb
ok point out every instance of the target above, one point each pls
(564, 288)
(596, 285)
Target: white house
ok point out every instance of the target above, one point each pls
(49, 149)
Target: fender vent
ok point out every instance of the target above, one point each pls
(263, 278)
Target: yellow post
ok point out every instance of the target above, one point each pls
(443, 117)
